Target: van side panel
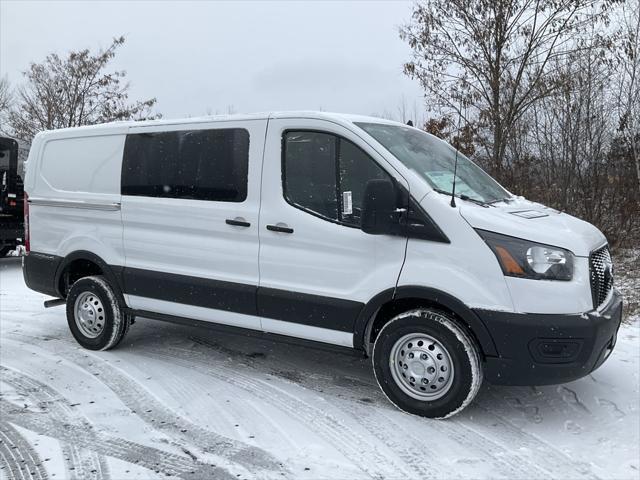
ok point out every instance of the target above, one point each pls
(466, 268)
(74, 195)
(84, 164)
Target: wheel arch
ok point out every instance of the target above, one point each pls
(78, 257)
(381, 308)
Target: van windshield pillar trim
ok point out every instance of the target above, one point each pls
(67, 203)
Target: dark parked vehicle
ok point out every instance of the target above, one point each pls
(11, 197)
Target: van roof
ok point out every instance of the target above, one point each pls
(122, 126)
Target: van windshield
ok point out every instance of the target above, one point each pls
(434, 159)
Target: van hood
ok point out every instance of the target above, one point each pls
(534, 221)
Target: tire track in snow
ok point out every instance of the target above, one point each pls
(159, 461)
(6, 458)
(23, 461)
(552, 458)
(516, 454)
(80, 463)
(343, 438)
(395, 440)
(503, 458)
(351, 444)
(503, 461)
(511, 458)
(86, 464)
(508, 457)
(408, 447)
(240, 458)
(528, 452)
(403, 443)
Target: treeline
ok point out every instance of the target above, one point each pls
(545, 95)
(69, 91)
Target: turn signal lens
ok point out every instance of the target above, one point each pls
(508, 262)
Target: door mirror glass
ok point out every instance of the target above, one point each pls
(378, 208)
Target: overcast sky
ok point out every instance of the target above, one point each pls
(202, 57)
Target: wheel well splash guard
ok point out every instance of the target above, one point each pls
(113, 274)
(430, 296)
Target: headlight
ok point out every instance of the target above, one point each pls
(525, 259)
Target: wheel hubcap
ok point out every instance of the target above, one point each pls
(89, 314)
(421, 366)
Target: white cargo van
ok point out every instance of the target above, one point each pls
(332, 228)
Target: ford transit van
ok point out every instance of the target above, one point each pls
(346, 230)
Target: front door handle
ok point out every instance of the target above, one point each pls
(237, 222)
(281, 227)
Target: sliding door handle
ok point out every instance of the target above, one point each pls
(281, 227)
(237, 222)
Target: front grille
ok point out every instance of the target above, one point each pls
(601, 274)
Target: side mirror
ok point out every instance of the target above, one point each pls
(378, 208)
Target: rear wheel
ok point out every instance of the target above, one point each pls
(94, 315)
(426, 364)
(4, 250)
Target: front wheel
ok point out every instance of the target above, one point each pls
(426, 364)
(94, 315)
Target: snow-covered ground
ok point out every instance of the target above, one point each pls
(186, 402)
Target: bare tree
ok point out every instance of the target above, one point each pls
(629, 81)
(409, 112)
(72, 91)
(566, 150)
(6, 100)
(491, 58)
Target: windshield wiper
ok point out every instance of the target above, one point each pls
(474, 200)
(505, 200)
(464, 197)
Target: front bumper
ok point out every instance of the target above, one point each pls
(542, 349)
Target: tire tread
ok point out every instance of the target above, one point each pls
(450, 323)
(121, 320)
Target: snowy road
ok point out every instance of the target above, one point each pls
(185, 402)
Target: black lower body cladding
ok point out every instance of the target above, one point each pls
(532, 349)
(544, 349)
(39, 271)
(42, 274)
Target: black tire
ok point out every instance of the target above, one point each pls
(4, 250)
(114, 321)
(466, 376)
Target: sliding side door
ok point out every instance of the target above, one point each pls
(190, 200)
